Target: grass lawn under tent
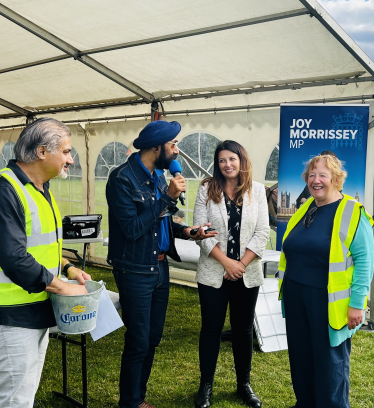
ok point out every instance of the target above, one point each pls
(175, 375)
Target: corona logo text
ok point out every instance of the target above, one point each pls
(67, 318)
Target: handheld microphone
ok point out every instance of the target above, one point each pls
(175, 169)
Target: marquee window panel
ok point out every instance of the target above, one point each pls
(273, 165)
(68, 192)
(110, 157)
(6, 154)
(200, 146)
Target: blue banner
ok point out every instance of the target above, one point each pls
(306, 131)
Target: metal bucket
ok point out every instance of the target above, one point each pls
(77, 314)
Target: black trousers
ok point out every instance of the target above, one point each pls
(320, 373)
(213, 303)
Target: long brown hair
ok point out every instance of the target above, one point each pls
(216, 183)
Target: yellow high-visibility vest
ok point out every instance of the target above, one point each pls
(44, 239)
(341, 265)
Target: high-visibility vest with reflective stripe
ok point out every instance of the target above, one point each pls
(341, 265)
(44, 239)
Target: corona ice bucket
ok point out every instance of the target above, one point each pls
(77, 314)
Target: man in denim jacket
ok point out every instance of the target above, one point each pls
(141, 234)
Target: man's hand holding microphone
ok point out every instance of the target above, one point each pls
(177, 188)
(175, 169)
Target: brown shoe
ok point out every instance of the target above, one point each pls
(146, 404)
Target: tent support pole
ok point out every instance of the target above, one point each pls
(100, 105)
(87, 144)
(289, 86)
(346, 99)
(15, 108)
(154, 109)
(204, 30)
(192, 161)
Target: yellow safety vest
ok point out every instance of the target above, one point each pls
(341, 265)
(44, 239)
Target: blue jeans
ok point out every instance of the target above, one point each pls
(144, 299)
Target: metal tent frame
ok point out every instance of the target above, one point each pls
(141, 96)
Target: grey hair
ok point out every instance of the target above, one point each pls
(42, 132)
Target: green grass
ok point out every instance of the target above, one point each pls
(175, 375)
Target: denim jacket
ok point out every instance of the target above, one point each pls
(133, 219)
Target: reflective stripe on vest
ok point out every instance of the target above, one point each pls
(5, 279)
(44, 239)
(342, 294)
(341, 265)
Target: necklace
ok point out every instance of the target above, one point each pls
(310, 216)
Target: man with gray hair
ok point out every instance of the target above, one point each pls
(30, 257)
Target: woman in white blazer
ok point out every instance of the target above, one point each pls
(229, 269)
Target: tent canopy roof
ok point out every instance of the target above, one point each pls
(63, 55)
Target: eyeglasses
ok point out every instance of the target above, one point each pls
(174, 144)
(310, 217)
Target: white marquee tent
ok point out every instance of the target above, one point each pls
(58, 56)
(221, 68)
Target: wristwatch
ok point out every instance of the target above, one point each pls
(66, 267)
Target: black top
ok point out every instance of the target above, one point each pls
(234, 217)
(18, 265)
(307, 250)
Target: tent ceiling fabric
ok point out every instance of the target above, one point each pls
(211, 61)
(288, 50)
(18, 46)
(57, 83)
(4, 111)
(89, 24)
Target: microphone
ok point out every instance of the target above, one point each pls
(175, 169)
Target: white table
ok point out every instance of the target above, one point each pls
(269, 256)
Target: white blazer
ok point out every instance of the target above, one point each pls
(254, 234)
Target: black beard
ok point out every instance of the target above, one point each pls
(163, 162)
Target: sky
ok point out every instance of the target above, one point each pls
(356, 17)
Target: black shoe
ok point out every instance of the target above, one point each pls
(249, 397)
(202, 399)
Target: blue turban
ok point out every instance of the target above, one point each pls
(157, 133)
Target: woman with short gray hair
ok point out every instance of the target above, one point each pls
(325, 271)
